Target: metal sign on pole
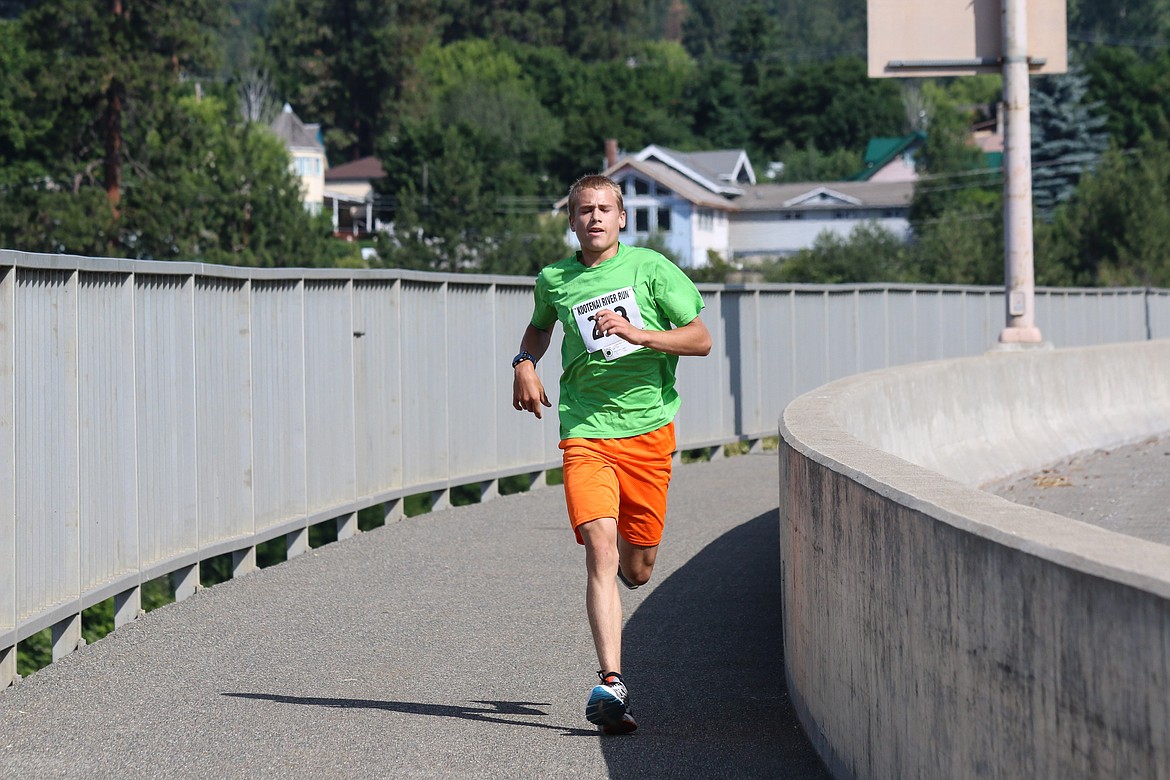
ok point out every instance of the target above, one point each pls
(918, 38)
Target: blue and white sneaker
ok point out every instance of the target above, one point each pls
(609, 705)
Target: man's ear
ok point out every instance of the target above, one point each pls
(622, 219)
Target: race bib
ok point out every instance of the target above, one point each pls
(621, 302)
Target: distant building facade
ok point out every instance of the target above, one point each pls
(700, 203)
(303, 142)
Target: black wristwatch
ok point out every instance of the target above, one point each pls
(522, 357)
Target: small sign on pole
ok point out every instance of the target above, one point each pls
(916, 38)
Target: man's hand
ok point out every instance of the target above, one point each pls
(527, 390)
(691, 339)
(610, 323)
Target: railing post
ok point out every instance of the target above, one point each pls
(127, 606)
(243, 561)
(392, 511)
(440, 499)
(66, 636)
(296, 543)
(185, 581)
(489, 490)
(8, 674)
(347, 526)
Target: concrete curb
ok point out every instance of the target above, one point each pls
(934, 630)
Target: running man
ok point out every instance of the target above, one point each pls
(628, 313)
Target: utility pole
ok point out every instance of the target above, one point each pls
(1019, 273)
(1015, 38)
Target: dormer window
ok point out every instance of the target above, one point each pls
(641, 186)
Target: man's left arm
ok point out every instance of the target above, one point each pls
(690, 339)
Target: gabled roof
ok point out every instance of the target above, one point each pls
(669, 178)
(822, 196)
(295, 133)
(880, 152)
(363, 169)
(723, 171)
(811, 196)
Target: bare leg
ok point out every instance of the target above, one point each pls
(602, 599)
(637, 562)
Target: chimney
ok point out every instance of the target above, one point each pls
(611, 152)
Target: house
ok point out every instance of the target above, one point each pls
(695, 203)
(303, 142)
(891, 159)
(349, 192)
(776, 220)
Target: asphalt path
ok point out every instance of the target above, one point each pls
(452, 644)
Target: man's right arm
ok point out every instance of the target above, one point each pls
(527, 390)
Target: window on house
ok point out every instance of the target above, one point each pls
(641, 186)
(642, 220)
(663, 218)
(307, 166)
(663, 192)
(706, 219)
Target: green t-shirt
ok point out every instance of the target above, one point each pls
(629, 392)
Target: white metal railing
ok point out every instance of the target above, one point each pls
(154, 415)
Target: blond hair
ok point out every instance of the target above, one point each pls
(594, 182)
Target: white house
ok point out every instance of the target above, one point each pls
(775, 220)
(349, 192)
(701, 202)
(308, 155)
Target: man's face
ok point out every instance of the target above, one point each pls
(597, 221)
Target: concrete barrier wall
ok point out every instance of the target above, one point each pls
(933, 630)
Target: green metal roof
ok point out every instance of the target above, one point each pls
(880, 151)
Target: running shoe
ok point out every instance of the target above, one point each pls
(623, 726)
(609, 702)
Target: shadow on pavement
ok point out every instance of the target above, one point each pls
(495, 711)
(703, 656)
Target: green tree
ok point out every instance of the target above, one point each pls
(458, 203)
(644, 97)
(957, 212)
(24, 134)
(465, 178)
(811, 164)
(1067, 139)
(348, 64)
(104, 68)
(589, 33)
(952, 169)
(1116, 229)
(1133, 91)
(751, 42)
(870, 253)
(829, 106)
(1121, 19)
(963, 245)
(716, 103)
(218, 189)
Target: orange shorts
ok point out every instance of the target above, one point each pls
(623, 478)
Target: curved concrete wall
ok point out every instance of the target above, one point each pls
(933, 630)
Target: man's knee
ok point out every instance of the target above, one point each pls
(636, 577)
(600, 540)
(637, 563)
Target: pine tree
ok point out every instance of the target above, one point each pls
(1067, 138)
